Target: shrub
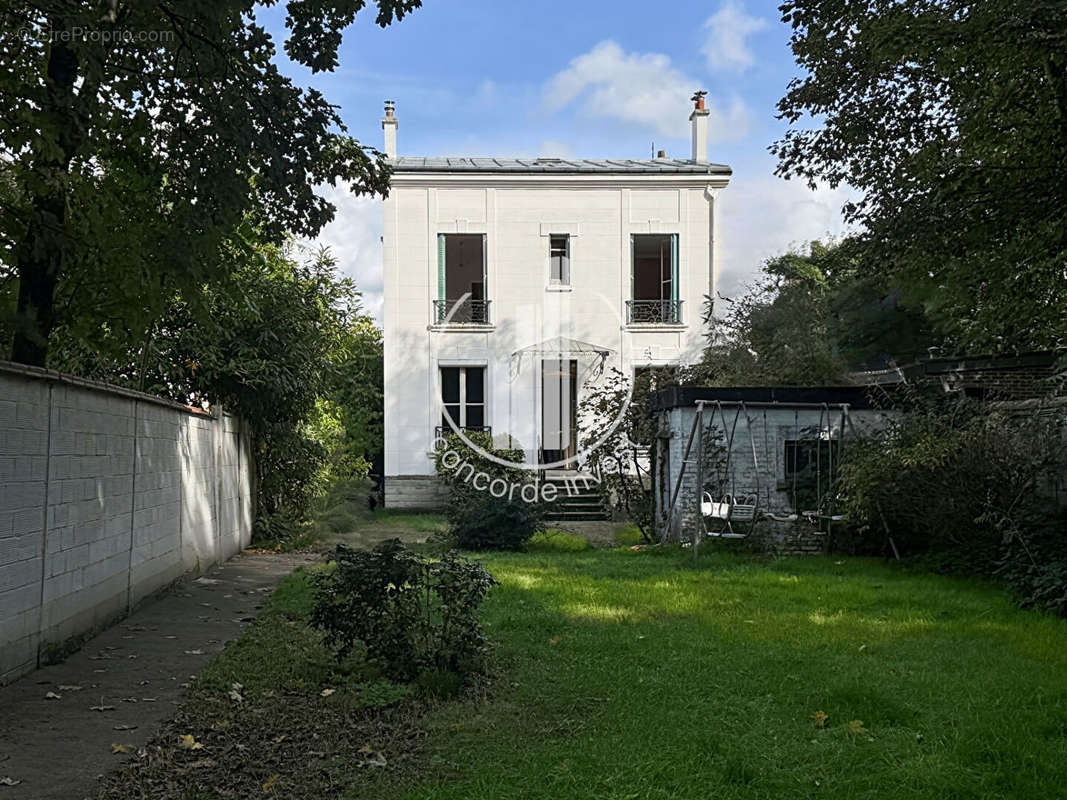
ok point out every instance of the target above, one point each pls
(476, 519)
(412, 615)
(964, 487)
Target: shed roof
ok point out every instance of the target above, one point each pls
(786, 396)
(562, 166)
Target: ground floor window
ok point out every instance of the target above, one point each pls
(463, 398)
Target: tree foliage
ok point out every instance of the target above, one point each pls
(136, 137)
(950, 117)
(279, 344)
(618, 440)
(810, 318)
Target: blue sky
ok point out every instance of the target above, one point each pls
(593, 79)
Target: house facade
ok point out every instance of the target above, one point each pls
(513, 287)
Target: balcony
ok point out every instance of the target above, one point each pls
(653, 312)
(461, 311)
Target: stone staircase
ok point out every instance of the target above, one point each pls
(577, 498)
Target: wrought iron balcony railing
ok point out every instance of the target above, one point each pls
(463, 311)
(661, 312)
(442, 431)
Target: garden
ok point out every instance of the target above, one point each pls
(638, 673)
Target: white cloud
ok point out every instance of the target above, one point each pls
(726, 46)
(642, 89)
(764, 216)
(354, 239)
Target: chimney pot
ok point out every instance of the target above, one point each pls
(661, 154)
(699, 120)
(389, 125)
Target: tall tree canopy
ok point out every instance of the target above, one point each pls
(135, 136)
(950, 117)
(808, 319)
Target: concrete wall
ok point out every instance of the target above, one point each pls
(517, 215)
(757, 460)
(106, 496)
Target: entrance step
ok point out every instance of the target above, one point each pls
(577, 498)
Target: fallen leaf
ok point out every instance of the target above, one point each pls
(53, 696)
(269, 783)
(188, 742)
(236, 696)
(68, 687)
(326, 692)
(122, 748)
(855, 727)
(123, 727)
(101, 708)
(6, 781)
(819, 718)
(554, 640)
(197, 652)
(280, 739)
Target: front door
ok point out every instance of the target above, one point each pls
(559, 405)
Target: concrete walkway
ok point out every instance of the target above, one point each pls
(123, 683)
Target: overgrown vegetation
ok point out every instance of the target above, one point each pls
(968, 486)
(416, 617)
(809, 318)
(487, 509)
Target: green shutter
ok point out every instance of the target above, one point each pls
(674, 267)
(441, 267)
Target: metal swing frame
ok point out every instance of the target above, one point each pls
(726, 508)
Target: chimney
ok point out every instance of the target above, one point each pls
(389, 125)
(699, 119)
(661, 154)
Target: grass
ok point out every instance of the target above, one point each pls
(644, 675)
(638, 675)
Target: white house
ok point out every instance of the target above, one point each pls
(512, 285)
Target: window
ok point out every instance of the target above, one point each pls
(559, 256)
(810, 467)
(654, 279)
(463, 398)
(461, 277)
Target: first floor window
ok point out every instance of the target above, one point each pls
(463, 397)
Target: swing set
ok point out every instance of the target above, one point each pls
(744, 504)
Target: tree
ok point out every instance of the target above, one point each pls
(950, 117)
(623, 460)
(135, 137)
(810, 318)
(272, 345)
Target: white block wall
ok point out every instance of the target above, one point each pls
(106, 496)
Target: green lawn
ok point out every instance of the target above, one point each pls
(632, 675)
(623, 674)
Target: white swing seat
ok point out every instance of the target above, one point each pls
(718, 510)
(743, 511)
